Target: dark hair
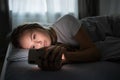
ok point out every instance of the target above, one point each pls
(17, 32)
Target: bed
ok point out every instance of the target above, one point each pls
(16, 66)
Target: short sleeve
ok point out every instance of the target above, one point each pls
(69, 23)
(66, 27)
(73, 24)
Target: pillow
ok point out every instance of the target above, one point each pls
(15, 54)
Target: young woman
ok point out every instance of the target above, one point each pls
(66, 30)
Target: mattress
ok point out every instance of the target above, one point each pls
(16, 67)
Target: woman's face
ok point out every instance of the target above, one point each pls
(35, 39)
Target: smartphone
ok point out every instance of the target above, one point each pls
(34, 55)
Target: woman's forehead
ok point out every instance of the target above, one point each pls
(26, 33)
(25, 40)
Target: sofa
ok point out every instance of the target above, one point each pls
(105, 33)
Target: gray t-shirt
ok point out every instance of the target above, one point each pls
(66, 27)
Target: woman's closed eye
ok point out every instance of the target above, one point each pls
(34, 36)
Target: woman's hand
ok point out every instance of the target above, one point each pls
(51, 59)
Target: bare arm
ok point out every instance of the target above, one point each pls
(88, 51)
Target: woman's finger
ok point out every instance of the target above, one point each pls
(46, 64)
(55, 58)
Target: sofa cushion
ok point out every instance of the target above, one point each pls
(97, 27)
(110, 48)
(115, 25)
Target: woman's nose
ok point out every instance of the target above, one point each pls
(38, 44)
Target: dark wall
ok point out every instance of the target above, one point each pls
(88, 8)
(4, 26)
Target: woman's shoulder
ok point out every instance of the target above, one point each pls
(67, 17)
(68, 24)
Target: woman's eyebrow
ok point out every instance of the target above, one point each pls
(31, 39)
(31, 36)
